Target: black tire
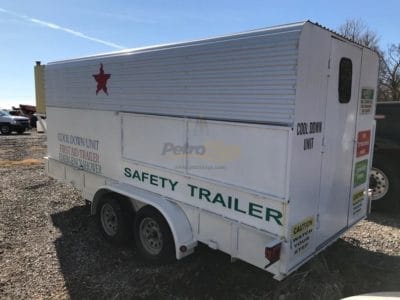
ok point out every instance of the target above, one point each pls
(33, 121)
(21, 131)
(386, 165)
(147, 242)
(5, 129)
(115, 218)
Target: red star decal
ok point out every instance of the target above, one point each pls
(101, 79)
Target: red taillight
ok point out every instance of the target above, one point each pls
(273, 253)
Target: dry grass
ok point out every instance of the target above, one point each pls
(24, 162)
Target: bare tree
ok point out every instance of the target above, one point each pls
(358, 31)
(389, 61)
(352, 29)
(370, 39)
(389, 74)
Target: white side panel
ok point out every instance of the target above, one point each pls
(84, 139)
(251, 248)
(75, 134)
(150, 139)
(92, 183)
(227, 201)
(57, 170)
(75, 177)
(239, 240)
(215, 232)
(255, 157)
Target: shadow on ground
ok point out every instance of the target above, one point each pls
(386, 219)
(92, 268)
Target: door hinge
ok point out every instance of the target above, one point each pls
(318, 223)
(323, 145)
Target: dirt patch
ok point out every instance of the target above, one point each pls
(50, 248)
(25, 146)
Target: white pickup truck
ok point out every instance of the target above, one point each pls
(9, 123)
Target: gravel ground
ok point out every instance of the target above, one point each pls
(50, 248)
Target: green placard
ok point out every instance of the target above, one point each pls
(360, 172)
(367, 94)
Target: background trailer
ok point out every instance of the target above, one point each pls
(257, 144)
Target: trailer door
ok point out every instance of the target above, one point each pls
(339, 139)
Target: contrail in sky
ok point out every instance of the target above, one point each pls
(57, 27)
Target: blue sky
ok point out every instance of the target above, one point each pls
(49, 30)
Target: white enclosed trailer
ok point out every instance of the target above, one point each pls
(257, 144)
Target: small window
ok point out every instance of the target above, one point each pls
(345, 78)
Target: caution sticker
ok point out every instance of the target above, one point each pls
(301, 235)
(358, 198)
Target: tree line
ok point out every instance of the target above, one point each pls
(389, 59)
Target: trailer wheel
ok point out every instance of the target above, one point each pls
(5, 129)
(378, 183)
(153, 236)
(114, 219)
(384, 182)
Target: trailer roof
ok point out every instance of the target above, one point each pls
(255, 32)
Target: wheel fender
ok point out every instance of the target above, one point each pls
(173, 214)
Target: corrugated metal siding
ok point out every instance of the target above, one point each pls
(247, 77)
